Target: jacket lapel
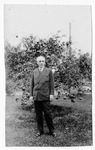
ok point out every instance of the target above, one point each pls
(39, 75)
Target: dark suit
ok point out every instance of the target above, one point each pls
(42, 86)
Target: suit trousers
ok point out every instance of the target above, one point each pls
(40, 108)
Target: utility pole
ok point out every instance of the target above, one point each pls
(70, 39)
(69, 53)
(68, 44)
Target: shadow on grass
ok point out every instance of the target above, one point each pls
(74, 127)
(61, 110)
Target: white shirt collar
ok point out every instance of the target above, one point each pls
(41, 69)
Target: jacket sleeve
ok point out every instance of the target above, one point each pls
(32, 85)
(51, 83)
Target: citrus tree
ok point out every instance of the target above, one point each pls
(70, 70)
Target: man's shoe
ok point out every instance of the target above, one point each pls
(39, 134)
(53, 134)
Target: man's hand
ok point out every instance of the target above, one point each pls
(31, 98)
(51, 97)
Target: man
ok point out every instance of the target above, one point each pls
(41, 92)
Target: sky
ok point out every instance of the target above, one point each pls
(43, 21)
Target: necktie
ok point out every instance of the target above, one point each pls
(41, 69)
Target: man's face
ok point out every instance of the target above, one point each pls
(41, 61)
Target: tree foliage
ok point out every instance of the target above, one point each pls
(70, 70)
(85, 66)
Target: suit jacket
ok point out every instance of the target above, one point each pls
(42, 84)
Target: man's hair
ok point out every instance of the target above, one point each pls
(40, 57)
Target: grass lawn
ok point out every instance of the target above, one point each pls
(72, 121)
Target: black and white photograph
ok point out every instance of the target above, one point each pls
(48, 75)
